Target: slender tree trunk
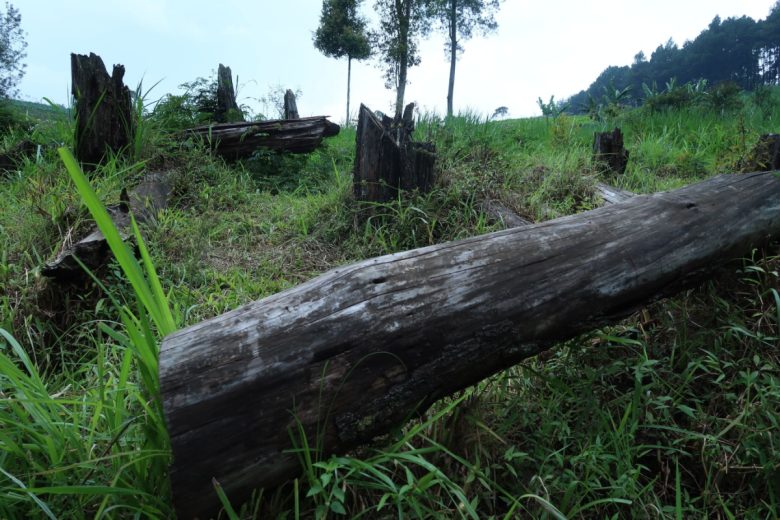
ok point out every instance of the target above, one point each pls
(404, 17)
(349, 81)
(453, 52)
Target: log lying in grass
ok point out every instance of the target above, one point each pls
(351, 354)
(498, 212)
(142, 201)
(240, 140)
(612, 195)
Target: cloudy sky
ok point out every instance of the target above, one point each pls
(541, 48)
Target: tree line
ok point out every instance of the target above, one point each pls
(740, 51)
(343, 33)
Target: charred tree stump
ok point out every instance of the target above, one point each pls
(235, 141)
(766, 154)
(290, 106)
(142, 201)
(104, 118)
(387, 160)
(227, 107)
(351, 354)
(608, 151)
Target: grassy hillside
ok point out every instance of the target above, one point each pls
(672, 413)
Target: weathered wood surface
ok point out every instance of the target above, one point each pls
(499, 212)
(609, 152)
(612, 195)
(387, 160)
(240, 140)
(142, 201)
(104, 118)
(227, 106)
(290, 105)
(359, 349)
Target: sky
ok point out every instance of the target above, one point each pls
(541, 48)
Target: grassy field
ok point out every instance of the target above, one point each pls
(673, 413)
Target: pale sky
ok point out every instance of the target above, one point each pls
(541, 48)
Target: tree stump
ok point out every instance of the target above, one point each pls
(290, 106)
(608, 151)
(387, 160)
(104, 118)
(766, 154)
(227, 107)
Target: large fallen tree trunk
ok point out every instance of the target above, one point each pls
(240, 140)
(353, 353)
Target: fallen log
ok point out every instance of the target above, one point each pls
(235, 141)
(351, 354)
(612, 195)
(142, 201)
(498, 212)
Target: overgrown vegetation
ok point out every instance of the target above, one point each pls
(670, 414)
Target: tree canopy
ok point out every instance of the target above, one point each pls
(342, 33)
(401, 24)
(12, 51)
(737, 50)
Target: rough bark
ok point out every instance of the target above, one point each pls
(227, 110)
(453, 34)
(240, 140)
(608, 151)
(104, 118)
(351, 354)
(349, 85)
(612, 195)
(404, 11)
(290, 106)
(142, 201)
(387, 160)
(766, 154)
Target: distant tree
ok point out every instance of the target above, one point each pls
(401, 24)
(12, 51)
(500, 112)
(461, 19)
(342, 32)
